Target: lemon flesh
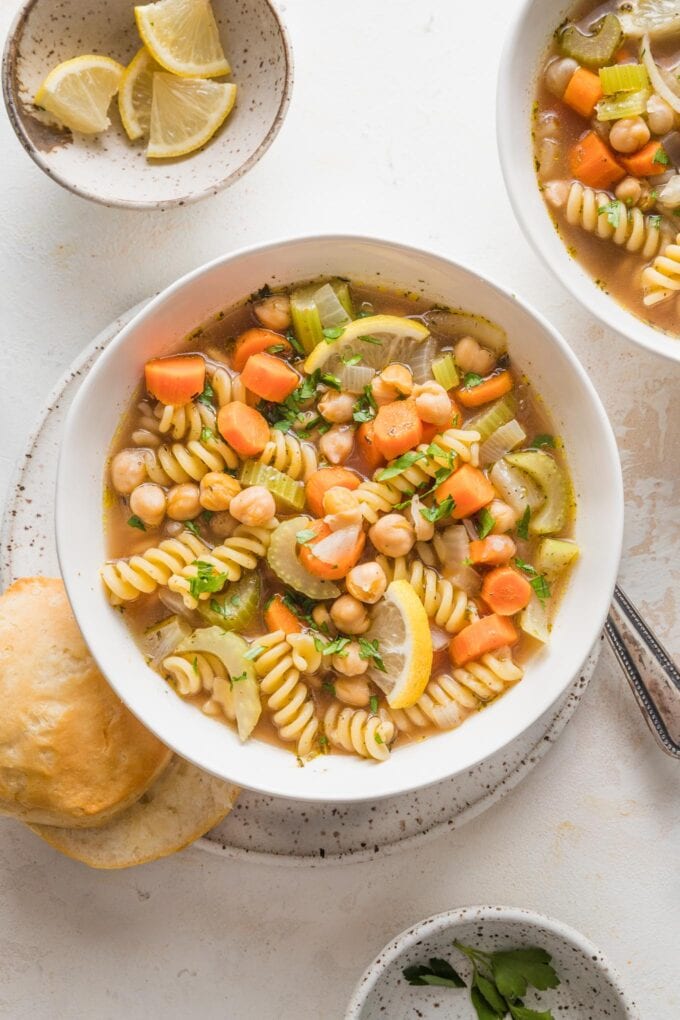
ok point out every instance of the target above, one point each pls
(186, 113)
(387, 330)
(79, 91)
(135, 92)
(402, 630)
(182, 35)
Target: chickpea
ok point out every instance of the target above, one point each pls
(556, 193)
(660, 116)
(183, 502)
(423, 528)
(392, 535)
(367, 582)
(274, 312)
(558, 74)
(217, 490)
(471, 357)
(337, 444)
(629, 191)
(223, 524)
(432, 403)
(504, 516)
(355, 692)
(128, 470)
(337, 407)
(322, 618)
(349, 615)
(629, 134)
(399, 377)
(342, 508)
(148, 503)
(349, 662)
(253, 506)
(381, 391)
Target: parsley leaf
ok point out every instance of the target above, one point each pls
(369, 650)
(294, 342)
(275, 349)
(471, 379)
(371, 340)
(336, 647)
(374, 705)
(351, 359)
(541, 588)
(400, 464)
(330, 380)
(329, 687)
(333, 333)
(482, 1007)
(654, 222)
(523, 523)
(438, 973)
(136, 522)
(206, 434)
(206, 397)
(520, 1012)
(661, 156)
(485, 522)
(300, 606)
(365, 407)
(302, 537)
(515, 969)
(543, 440)
(613, 212)
(191, 526)
(235, 679)
(438, 511)
(253, 652)
(490, 993)
(206, 579)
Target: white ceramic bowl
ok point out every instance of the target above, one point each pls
(521, 63)
(590, 988)
(110, 169)
(536, 348)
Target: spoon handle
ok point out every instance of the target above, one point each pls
(649, 669)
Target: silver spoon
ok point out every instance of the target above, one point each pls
(649, 669)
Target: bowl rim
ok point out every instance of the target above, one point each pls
(460, 915)
(631, 327)
(12, 102)
(69, 445)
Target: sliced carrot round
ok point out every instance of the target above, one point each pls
(244, 428)
(506, 591)
(175, 380)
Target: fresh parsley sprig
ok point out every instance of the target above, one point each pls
(370, 650)
(206, 579)
(538, 582)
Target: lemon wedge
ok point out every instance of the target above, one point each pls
(79, 91)
(384, 332)
(134, 94)
(401, 627)
(186, 113)
(182, 35)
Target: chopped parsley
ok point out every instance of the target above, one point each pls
(191, 526)
(661, 156)
(485, 522)
(235, 679)
(471, 379)
(206, 579)
(543, 440)
(300, 606)
(612, 210)
(206, 397)
(365, 407)
(374, 705)
(523, 523)
(294, 343)
(136, 522)
(371, 340)
(329, 687)
(254, 652)
(275, 349)
(538, 582)
(333, 333)
(370, 650)
(206, 434)
(654, 222)
(439, 511)
(330, 380)
(399, 465)
(351, 359)
(336, 647)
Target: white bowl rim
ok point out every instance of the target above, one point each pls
(12, 102)
(630, 327)
(595, 621)
(459, 915)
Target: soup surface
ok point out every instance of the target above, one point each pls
(607, 149)
(338, 519)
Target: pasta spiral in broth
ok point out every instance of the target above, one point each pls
(184, 462)
(193, 673)
(612, 220)
(445, 605)
(280, 667)
(185, 422)
(227, 386)
(354, 729)
(126, 579)
(290, 455)
(662, 279)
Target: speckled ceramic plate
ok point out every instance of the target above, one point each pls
(589, 989)
(260, 827)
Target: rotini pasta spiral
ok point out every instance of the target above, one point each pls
(291, 455)
(184, 462)
(126, 580)
(597, 213)
(227, 386)
(662, 279)
(194, 672)
(355, 729)
(445, 604)
(280, 666)
(239, 552)
(448, 700)
(378, 497)
(187, 421)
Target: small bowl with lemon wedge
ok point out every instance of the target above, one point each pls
(151, 106)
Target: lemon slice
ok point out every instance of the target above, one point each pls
(401, 627)
(649, 17)
(186, 113)
(385, 333)
(182, 35)
(134, 94)
(79, 91)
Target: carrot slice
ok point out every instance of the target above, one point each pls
(490, 389)
(269, 377)
(647, 162)
(470, 490)
(506, 591)
(345, 559)
(244, 428)
(583, 91)
(278, 616)
(492, 550)
(318, 484)
(592, 162)
(397, 428)
(483, 636)
(175, 380)
(254, 341)
(366, 445)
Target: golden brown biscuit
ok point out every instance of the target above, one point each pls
(71, 753)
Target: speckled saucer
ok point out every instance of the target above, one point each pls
(111, 169)
(590, 988)
(262, 828)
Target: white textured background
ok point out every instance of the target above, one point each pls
(391, 132)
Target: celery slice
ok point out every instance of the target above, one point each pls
(628, 104)
(289, 494)
(549, 476)
(444, 371)
(230, 650)
(501, 442)
(282, 558)
(307, 319)
(236, 606)
(500, 413)
(554, 555)
(534, 621)
(623, 78)
(596, 49)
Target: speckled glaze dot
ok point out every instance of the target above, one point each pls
(590, 988)
(110, 169)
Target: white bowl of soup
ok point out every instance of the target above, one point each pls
(338, 517)
(588, 129)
